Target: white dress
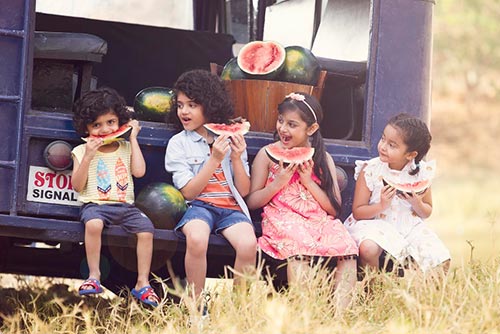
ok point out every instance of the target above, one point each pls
(398, 229)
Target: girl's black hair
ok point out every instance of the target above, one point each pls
(206, 89)
(320, 163)
(416, 136)
(95, 103)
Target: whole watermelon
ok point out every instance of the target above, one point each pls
(153, 103)
(301, 66)
(162, 203)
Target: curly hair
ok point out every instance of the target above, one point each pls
(95, 103)
(319, 158)
(206, 89)
(416, 136)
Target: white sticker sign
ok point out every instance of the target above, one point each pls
(48, 186)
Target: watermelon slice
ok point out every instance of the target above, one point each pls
(228, 129)
(418, 187)
(121, 134)
(289, 155)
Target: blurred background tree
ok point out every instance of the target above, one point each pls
(466, 48)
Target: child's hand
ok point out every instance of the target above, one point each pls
(305, 170)
(238, 146)
(135, 128)
(284, 174)
(220, 147)
(386, 195)
(92, 145)
(414, 199)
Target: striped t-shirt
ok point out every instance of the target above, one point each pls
(217, 192)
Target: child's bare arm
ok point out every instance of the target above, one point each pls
(361, 208)
(305, 171)
(137, 162)
(421, 204)
(260, 194)
(241, 178)
(80, 172)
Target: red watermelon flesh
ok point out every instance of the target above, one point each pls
(119, 134)
(418, 187)
(228, 129)
(262, 59)
(289, 155)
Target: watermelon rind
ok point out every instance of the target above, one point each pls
(418, 187)
(254, 60)
(121, 134)
(228, 129)
(153, 103)
(301, 66)
(232, 71)
(289, 155)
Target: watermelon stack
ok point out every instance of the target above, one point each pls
(270, 61)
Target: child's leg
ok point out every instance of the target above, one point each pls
(242, 237)
(144, 256)
(345, 281)
(197, 233)
(93, 232)
(369, 253)
(296, 270)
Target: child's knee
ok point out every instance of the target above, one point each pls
(247, 247)
(369, 249)
(145, 236)
(197, 242)
(94, 226)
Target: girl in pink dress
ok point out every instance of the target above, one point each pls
(301, 201)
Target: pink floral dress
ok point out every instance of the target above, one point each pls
(293, 223)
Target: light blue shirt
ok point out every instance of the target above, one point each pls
(187, 152)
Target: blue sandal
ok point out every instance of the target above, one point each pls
(143, 295)
(96, 287)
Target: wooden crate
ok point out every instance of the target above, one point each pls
(257, 100)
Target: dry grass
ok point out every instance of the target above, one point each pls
(466, 301)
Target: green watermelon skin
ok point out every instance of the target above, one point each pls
(232, 71)
(153, 104)
(301, 66)
(162, 203)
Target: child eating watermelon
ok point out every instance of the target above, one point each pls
(102, 175)
(295, 182)
(211, 171)
(392, 198)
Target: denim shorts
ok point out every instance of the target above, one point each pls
(217, 218)
(130, 218)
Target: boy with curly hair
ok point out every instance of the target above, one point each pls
(102, 176)
(213, 175)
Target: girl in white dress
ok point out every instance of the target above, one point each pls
(385, 219)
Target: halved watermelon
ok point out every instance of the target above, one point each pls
(228, 129)
(262, 59)
(418, 187)
(289, 155)
(121, 134)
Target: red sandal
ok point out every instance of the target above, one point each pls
(143, 295)
(96, 287)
